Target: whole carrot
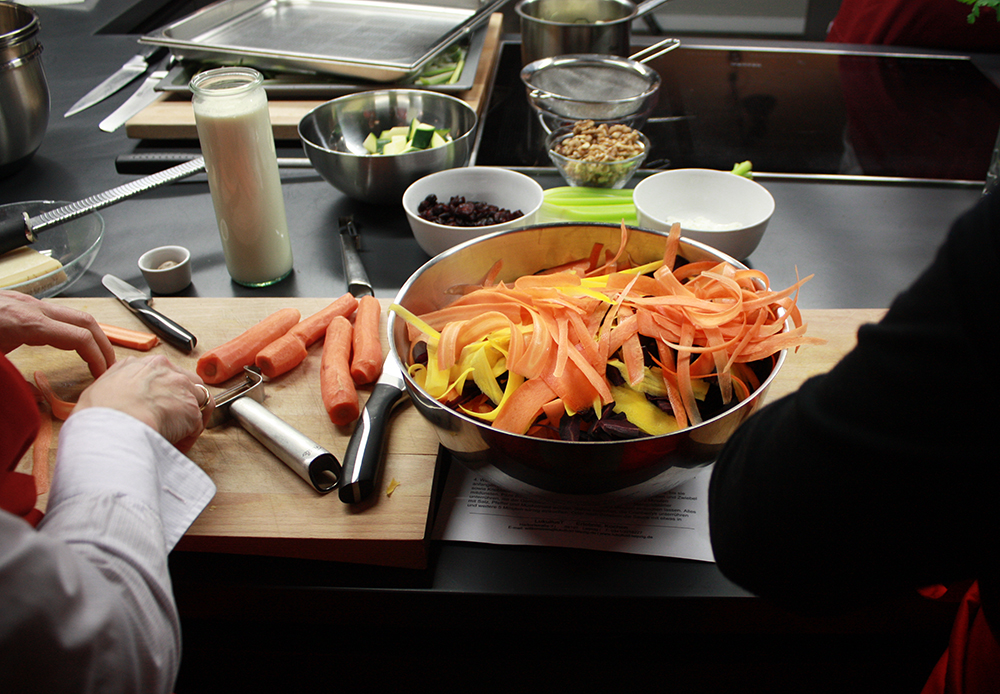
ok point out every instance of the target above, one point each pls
(289, 350)
(366, 360)
(340, 398)
(228, 359)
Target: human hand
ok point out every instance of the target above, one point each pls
(152, 389)
(25, 320)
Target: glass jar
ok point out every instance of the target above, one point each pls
(234, 129)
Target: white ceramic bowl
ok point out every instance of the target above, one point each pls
(697, 196)
(504, 188)
(167, 269)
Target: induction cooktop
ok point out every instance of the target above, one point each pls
(789, 112)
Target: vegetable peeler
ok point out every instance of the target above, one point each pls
(308, 459)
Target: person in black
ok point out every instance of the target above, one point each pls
(882, 476)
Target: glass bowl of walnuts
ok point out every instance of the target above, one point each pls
(597, 155)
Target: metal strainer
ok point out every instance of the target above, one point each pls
(595, 87)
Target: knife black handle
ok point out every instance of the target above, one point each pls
(363, 456)
(163, 326)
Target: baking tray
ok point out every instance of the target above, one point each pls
(384, 41)
(316, 86)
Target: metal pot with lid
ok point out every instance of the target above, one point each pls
(558, 27)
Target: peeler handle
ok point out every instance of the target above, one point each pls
(308, 459)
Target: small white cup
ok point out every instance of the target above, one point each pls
(167, 269)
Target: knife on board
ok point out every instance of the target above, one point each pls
(138, 303)
(363, 456)
(143, 97)
(136, 66)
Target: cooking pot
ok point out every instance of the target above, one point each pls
(573, 471)
(24, 92)
(558, 27)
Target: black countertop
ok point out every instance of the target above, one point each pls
(563, 618)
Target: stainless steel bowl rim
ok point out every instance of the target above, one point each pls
(410, 383)
(23, 32)
(422, 93)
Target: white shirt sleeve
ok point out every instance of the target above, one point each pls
(85, 600)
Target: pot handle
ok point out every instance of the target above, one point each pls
(656, 50)
(644, 7)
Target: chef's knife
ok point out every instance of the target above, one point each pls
(143, 97)
(138, 303)
(136, 66)
(363, 456)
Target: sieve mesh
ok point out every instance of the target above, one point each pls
(603, 83)
(591, 87)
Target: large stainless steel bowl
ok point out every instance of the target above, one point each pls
(24, 92)
(560, 470)
(333, 134)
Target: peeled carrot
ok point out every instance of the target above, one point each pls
(133, 339)
(340, 398)
(366, 359)
(227, 360)
(289, 350)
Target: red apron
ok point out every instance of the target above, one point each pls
(19, 422)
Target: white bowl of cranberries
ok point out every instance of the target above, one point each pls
(450, 207)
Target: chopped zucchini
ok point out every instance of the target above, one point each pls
(401, 139)
(422, 135)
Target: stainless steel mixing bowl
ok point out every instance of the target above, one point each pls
(605, 471)
(24, 92)
(333, 134)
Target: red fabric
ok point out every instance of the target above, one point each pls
(19, 422)
(971, 665)
(938, 24)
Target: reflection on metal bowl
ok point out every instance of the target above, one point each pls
(24, 91)
(333, 136)
(611, 471)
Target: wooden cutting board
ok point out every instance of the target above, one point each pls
(262, 507)
(171, 116)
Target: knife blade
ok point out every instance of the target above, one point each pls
(363, 456)
(136, 66)
(143, 97)
(138, 303)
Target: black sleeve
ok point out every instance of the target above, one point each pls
(881, 475)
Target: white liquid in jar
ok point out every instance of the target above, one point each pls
(240, 160)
